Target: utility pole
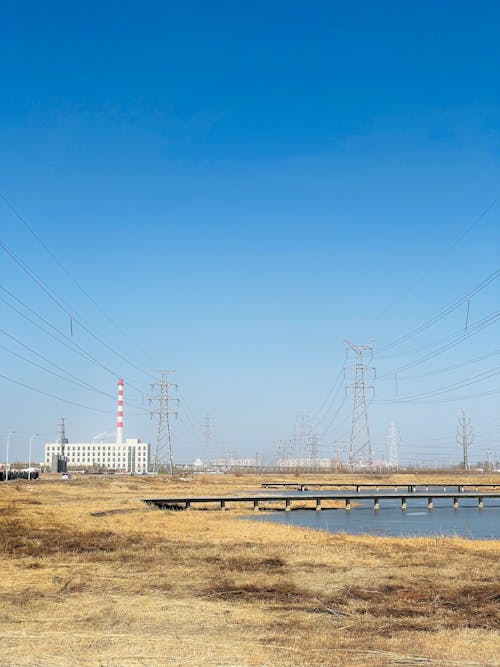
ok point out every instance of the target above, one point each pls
(393, 440)
(162, 411)
(360, 450)
(465, 437)
(208, 431)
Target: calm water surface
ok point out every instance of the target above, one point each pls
(468, 521)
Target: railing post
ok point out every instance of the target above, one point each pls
(429, 503)
(287, 504)
(188, 505)
(318, 504)
(348, 503)
(255, 505)
(223, 505)
(480, 503)
(403, 503)
(455, 503)
(376, 504)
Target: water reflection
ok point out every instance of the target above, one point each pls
(467, 521)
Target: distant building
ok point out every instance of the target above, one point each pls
(307, 463)
(130, 456)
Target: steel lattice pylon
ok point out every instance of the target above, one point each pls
(360, 448)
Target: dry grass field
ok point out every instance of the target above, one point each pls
(151, 588)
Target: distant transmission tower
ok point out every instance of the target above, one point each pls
(302, 431)
(360, 450)
(393, 440)
(208, 431)
(313, 450)
(162, 411)
(465, 437)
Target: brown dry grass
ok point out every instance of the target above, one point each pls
(207, 588)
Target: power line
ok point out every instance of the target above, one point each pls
(62, 266)
(458, 398)
(446, 311)
(453, 367)
(480, 377)
(73, 379)
(450, 248)
(58, 398)
(458, 336)
(329, 400)
(71, 344)
(65, 307)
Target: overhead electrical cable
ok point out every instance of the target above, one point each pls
(73, 379)
(455, 399)
(67, 341)
(330, 397)
(446, 252)
(458, 338)
(446, 311)
(479, 377)
(332, 421)
(66, 308)
(58, 398)
(453, 367)
(63, 267)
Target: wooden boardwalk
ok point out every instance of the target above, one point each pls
(411, 488)
(259, 501)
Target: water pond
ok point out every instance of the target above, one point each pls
(390, 521)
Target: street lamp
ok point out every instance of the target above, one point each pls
(7, 457)
(35, 435)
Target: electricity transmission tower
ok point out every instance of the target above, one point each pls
(162, 411)
(465, 437)
(302, 431)
(313, 450)
(208, 431)
(360, 449)
(393, 439)
(282, 453)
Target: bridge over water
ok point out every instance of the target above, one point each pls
(259, 501)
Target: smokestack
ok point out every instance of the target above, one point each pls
(119, 418)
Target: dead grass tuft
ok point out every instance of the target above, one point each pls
(241, 564)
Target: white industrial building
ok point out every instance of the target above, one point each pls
(131, 456)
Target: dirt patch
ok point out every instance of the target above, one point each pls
(247, 564)
(21, 540)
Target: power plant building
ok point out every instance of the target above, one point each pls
(132, 456)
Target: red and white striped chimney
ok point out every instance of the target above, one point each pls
(119, 418)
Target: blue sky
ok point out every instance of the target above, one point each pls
(241, 186)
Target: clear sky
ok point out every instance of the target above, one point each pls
(239, 186)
